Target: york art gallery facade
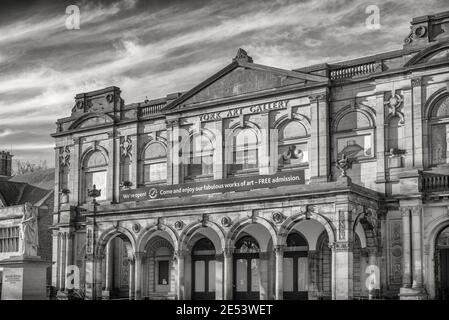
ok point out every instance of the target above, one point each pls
(324, 182)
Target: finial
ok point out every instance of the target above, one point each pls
(242, 55)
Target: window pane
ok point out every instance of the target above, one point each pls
(241, 276)
(255, 276)
(155, 151)
(211, 275)
(199, 276)
(439, 144)
(163, 272)
(303, 274)
(99, 180)
(155, 172)
(288, 274)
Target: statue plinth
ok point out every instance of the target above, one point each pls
(24, 278)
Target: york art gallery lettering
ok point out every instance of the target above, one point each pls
(244, 110)
(216, 186)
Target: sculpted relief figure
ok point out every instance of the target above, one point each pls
(29, 231)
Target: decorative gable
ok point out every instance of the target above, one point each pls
(243, 77)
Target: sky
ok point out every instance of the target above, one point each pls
(152, 48)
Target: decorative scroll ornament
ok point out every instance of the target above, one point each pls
(64, 156)
(136, 227)
(394, 103)
(278, 217)
(126, 146)
(110, 98)
(341, 225)
(415, 33)
(344, 164)
(226, 221)
(179, 225)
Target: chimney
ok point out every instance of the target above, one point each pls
(5, 164)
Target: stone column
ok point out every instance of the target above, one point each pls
(313, 273)
(407, 271)
(218, 276)
(264, 151)
(373, 261)
(228, 273)
(180, 258)
(409, 128)
(279, 281)
(343, 252)
(417, 248)
(417, 123)
(138, 277)
(380, 142)
(69, 253)
(134, 169)
(57, 187)
(55, 271)
(98, 267)
(176, 162)
(62, 252)
(132, 277)
(219, 168)
(109, 267)
(75, 173)
(110, 183)
(319, 160)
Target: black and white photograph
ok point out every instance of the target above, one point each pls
(224, 150)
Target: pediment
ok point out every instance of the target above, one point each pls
(437, 53)
(240, 78)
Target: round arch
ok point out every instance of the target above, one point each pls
(90, 115)
(303, 120)
(111, 233)
(188, 233)
(290, 222)
(145, 237)
(236, 229)
(435, 228)
(364, 110)
(90, 151)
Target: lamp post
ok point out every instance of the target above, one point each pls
(94, 193)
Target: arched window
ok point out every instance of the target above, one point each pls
(354, 136)
(247, 244)
(155, 163)
(245, 150)
(201, 155)
(440, 131)
(95, 173)
(125, 169)
(292, 145)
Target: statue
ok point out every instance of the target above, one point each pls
(344, 164)
(29, 231)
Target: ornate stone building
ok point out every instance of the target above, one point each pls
(324, 182)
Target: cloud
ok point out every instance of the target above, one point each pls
(150, 49)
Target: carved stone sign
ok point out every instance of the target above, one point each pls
(212, 116)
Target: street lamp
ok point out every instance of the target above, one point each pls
(94, 193)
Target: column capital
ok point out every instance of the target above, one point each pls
(179, 254)
(405, 211)
(279, 248)
(416, 82)
(172, 122)
(341, 246)
(228, 252)
(417, 211)
(139, 255)
(318, 97)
